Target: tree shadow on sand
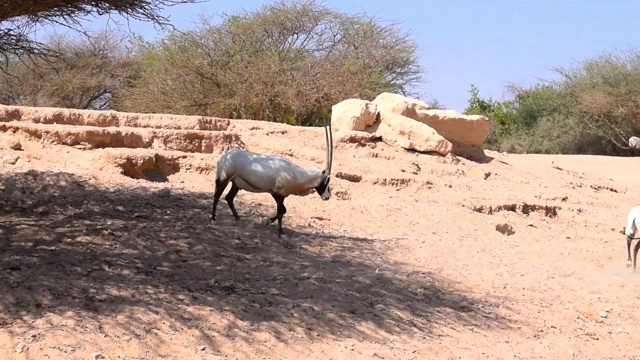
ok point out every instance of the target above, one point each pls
(70, 245)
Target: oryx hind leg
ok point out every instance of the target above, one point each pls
(219, 189)
(268, 220)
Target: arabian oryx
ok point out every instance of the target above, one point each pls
(633, 220)
(271, 174)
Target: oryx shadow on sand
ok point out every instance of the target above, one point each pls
(68, 244)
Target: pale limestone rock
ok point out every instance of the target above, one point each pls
(399, 104)
(466, 129)
(353, 114)
(411, 135)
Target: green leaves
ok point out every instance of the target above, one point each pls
(288, 61)
(594, 108)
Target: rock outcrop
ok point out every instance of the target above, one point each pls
(353, 114)
(413, 125)
(411, 135)
(466, 129)
(399, 104)
(78, 117)
(91, 137)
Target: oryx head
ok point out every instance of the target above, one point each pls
(323, 189)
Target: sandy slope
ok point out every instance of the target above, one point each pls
(404, 264)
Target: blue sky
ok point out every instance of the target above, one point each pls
(489, 43)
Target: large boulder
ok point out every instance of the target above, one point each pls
(466, 129)
(411, 135)
(353, 114)
(399, 104)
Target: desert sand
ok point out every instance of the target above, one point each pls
(107, 252)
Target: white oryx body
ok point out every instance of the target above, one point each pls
(276, 175)
(260, 173)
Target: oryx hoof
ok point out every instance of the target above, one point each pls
(628, 263)
(265, 222)
(212, 219)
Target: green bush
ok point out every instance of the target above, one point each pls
(592, 109)
(288, 61)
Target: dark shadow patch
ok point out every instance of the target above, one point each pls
(103, 253)
(154, 168)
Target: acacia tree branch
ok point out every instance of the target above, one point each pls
(614, 133)
(69, 10)
(19, 17)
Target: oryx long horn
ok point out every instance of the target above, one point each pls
(329, 138)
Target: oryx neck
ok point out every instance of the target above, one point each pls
(311, 178)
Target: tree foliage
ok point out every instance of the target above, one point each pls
(593, 108)
(500, 115)
(606, 90)
(19, 17)
(89, 73)
(288, 61)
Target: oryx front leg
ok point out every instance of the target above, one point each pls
(280, 211)
(629, 251)
(635, 254)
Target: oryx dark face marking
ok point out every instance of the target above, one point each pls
(323, 189)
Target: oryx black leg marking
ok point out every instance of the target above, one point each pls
(220, 186)
(635, 254)
(281, 210)
(274, 218)
(230, 195)
(628, 250)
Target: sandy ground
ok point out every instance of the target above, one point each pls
(404, 261)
